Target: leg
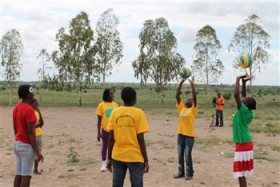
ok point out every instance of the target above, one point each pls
(242, 181)
(221, 118)
(119, 171)
(25, 181)
(180, 151)
(17, 181)
(217, 118)
(39, 142)
(105, 136)
(136, 171)
(188, 155)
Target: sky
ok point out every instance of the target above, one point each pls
(38, 21)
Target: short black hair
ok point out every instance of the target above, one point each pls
(24, 90)
(128, 95)
(106, 94)
(251, 103)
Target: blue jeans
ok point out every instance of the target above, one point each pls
(184, 149)
(136, 171)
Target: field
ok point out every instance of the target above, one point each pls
(72, 153)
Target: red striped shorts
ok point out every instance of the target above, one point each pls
(243, 160)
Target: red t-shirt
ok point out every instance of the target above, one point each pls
(23, 114)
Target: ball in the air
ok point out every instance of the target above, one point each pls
(245, 60)
(185, 73)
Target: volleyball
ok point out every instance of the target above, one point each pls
(245, 60)
(185, 73)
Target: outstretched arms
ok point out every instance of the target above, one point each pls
(178, 91)
(193, 91)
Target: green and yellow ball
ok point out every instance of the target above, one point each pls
(245, 60)
(185, 72)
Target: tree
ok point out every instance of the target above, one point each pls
(75, 51)
(251, 38)
(206, 63)
(11, 50)
(44, 58)
(108, 47)
(158, 59)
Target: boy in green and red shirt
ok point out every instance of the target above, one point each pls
(243, 158)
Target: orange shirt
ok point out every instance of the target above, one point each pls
(220, 103)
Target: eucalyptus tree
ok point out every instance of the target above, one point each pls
(251, 38)
(75, 51)
(206, 64)
(44, 59)
(108, 47)
(11, 50)
(158, 59)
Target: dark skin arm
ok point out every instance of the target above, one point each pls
(193, 91)
(99, 118)
(141, 141)
(111, 143)
(244, 79)
(32, 139)
(41, 121)
(178, 91)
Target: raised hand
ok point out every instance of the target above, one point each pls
(192, 80)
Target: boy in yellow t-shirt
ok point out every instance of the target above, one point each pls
(126, 144)
(38, 132)
(186, 131)
(103, 113)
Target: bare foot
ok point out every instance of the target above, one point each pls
(38, 172)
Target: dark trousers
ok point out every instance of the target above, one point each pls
(184, 148)
(136, 172)
(219, 118)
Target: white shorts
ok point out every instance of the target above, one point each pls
(24, 158)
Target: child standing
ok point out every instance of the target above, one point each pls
(243, 156)
(103, 112)
(38, 132)
(186, 131)
(126, 146)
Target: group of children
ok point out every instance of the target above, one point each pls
(122, 129)
(127, 124)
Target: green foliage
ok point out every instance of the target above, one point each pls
(227, 96)
(108, 47)
(158, 59)
(206, 63)
(72, 156)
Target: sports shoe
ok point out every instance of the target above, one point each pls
(103, 166)
(188, 177)
(176, 176)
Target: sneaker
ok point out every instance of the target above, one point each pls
(188, 177)
(103, 166)
(176, 176)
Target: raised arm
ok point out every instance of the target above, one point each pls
(193, 91)
(178, 91)
(237, 91)
(244, 80)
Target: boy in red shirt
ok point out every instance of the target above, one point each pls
(24, 123)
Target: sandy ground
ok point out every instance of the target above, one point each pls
(71, 131)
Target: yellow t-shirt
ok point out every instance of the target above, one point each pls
(104, 109)
(127, 122)
(38, 130)
(186, 125)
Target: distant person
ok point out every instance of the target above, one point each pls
(220, 102)
(186, 131)
(243, 156)
(103, 112)
(126, 146)
(38, 132)
(24, 123)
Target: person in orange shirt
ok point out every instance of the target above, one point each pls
(220, 102)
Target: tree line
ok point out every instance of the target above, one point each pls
(85, 55)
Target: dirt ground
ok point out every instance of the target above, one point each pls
(70, 133)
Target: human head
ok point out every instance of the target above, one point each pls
(108, 95)
(128, 96)
(250, 102)
(25, 92)
(189, 103)
(34, 103)
(219, 94)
